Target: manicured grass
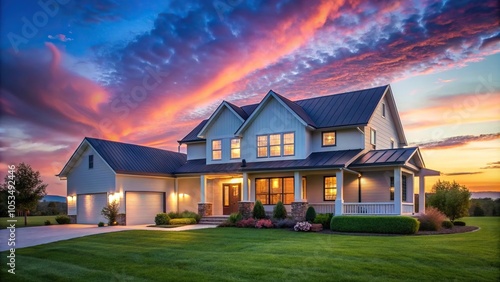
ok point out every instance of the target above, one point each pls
(32, 221)
(233, 254)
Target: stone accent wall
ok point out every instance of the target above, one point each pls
(299, 210)
(72, 218)
(205, 209)
(121, 219)
(246, 208)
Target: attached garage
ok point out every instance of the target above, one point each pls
(142, 207)
(89, 208)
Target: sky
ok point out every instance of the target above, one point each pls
(147, 72)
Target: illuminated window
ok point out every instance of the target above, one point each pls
(276, 145)
(235, 148)
(272, 190)
(262, 190)
(289, 144)
(262, 142)
(91, 161)
(330, 189)
(226, 195)
(373, 136)
(329, 139)
(216, 149)
(403, 187)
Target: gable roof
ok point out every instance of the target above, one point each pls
(192, 136)
(237, 111)
(125, 158)
(389, 157)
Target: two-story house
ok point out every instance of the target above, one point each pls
(342, 154)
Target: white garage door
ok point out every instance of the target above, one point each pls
(89, 208)
(142, 207)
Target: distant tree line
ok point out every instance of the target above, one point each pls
(485, 207)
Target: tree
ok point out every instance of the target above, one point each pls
(29, 188)
(450, 198)
(310, 214)
(258, 210)
(279, 211)
(110, 212)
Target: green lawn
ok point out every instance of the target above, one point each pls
(32, 221)
(229, 254)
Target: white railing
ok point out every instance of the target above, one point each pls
(323, 207)
(368, 208)
(408, 208)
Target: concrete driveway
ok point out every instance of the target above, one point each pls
(32, 236)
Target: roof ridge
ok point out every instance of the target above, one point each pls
(131, 144)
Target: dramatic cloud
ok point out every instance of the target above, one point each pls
(462, 173)
(457, 141)
(492, 165)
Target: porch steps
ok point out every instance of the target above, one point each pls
(214, 220)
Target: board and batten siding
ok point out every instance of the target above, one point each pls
(223, 127)
(346, 139)
(385, 127)
(273, 118)
(147, 184)
(196, 151)
(82, 180)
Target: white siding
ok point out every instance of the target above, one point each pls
(375, 186)
(72, 205)
(223, 127)
(274, 118)
(315, 188)
(385, 128)
(189, 194)
(347, 139)
(196, 151)
(82, 180)
(148, 184)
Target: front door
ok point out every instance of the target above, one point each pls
(230, 198)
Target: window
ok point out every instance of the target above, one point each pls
(329, 138)
(330, 188)
(226, 195)
(392, 144)
(235, 148)
(383, 110)
(91, 161)
(403, 187)
(373, 136)
(216, 149)
(272, 190)
(276, 145)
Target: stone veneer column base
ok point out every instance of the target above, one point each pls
(121, 219)
(205, 209)
(299, 210)
(72, 218)
(246, 208)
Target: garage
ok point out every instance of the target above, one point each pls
(142, 207)
(89, 208)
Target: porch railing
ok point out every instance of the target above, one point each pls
(323, 207)
(368, 208)
(408, 208)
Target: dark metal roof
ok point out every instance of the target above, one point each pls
(193, 135)
(249, 108)
(135, 159)
(297, 109)
(334, 159)
(384, 157)
(238, 110)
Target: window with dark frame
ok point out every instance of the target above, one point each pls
(91, 161)
(289, 144)
(272, 190)
(329, 138)
(235, 148)
(330, 188)
(216, 149)
(276, 145)
(262, 142)
(403, 188)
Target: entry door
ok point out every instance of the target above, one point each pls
(230, 198)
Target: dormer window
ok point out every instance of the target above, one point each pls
(235, 148)
(91, 161)
(216, 149)
(329, 139)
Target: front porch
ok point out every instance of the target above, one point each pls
(385, 208)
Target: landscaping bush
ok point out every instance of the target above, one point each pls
(310, 214)
(447, 224)
(63, 219)
(47, 222)
(226, 223)
(375, 224)
(432, 220)
(285, 223)
(100, 224)
(162, 219)
(324, 219)
(459, 223)
(302, 226)
(249, 222)
(264, 223)
(173, 215)
(183, 221)
(279, 211)
(184, 214)
(110, 212)
(450, 198)
(258, 210)
(235, 217)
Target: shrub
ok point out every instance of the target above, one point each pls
(47, 222)
(110, 212)
(249, 222)
(100, 224)
(279, 211)
(173, 215)
(432, 220)
(375, 224)
(258, 210)
(226, 223)
(183, 221)
(235, 217)
(478, 211)
(264, 223)
(190, 214)
(458, 223)
(447, 224)
(302, 226)
(450, 198)
(162, 219)
(310, 214)
(63, 219)
(324, 219)
(285, 223)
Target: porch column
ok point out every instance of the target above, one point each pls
(297, 181)
(299, 204)
(397, 190)
(204, 208)
(245, 187)
(421, 194)
(339, 201)
(203, 185)
(411, 191)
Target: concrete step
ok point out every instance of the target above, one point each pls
(214, 220)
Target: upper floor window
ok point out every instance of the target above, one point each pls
(329, 138)
(383, 109)
(330, 188)
(276, 145)
(235, 148)
(262, 143)
(289, 144)
(91, 161)
(216, 149)
(373, 136)
(392, 144)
